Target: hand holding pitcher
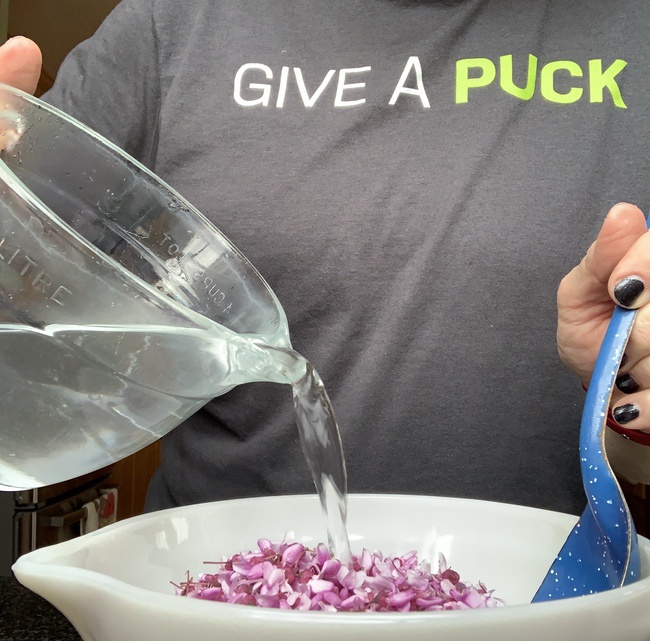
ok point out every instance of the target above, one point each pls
(20, 64)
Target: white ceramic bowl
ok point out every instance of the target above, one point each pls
(114, 584)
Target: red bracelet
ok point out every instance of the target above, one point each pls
(642, 438)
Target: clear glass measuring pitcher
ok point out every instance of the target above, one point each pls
(122, 309)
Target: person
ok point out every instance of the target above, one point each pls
(20, 64)
(413, 179)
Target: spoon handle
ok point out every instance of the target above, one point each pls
(602, 550)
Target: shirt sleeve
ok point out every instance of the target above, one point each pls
(111, 82)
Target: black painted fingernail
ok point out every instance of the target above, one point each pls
(628, 290)
(627, 384)
(623, 360)
(623, 414)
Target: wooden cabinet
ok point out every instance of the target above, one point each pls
(45, 82)
(132, 476)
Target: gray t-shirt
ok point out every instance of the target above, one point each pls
(412, 178)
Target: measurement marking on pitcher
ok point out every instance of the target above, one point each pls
(172, 248)
(215, 292)
(169, 245)
(37, 277)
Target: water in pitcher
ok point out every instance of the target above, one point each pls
(60, 379)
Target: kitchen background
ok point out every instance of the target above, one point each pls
(49, 515)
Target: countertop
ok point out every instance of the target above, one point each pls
(25, 616)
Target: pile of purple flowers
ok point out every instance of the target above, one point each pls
(289, 576)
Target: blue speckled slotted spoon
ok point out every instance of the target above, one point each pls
(601, 553)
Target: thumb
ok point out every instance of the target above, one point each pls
(20, 64)
(583, 293)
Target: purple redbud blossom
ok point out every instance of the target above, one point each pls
(330, 568)
(400, 599)
(291, 555)
(256, 572)
(351, 603)
(274, 577)
(287, 575)
(318, 586)
(366, 560)
(322, 554)
(332, 598)
(264, 545)
(379, 583)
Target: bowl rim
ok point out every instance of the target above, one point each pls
(40, 563)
